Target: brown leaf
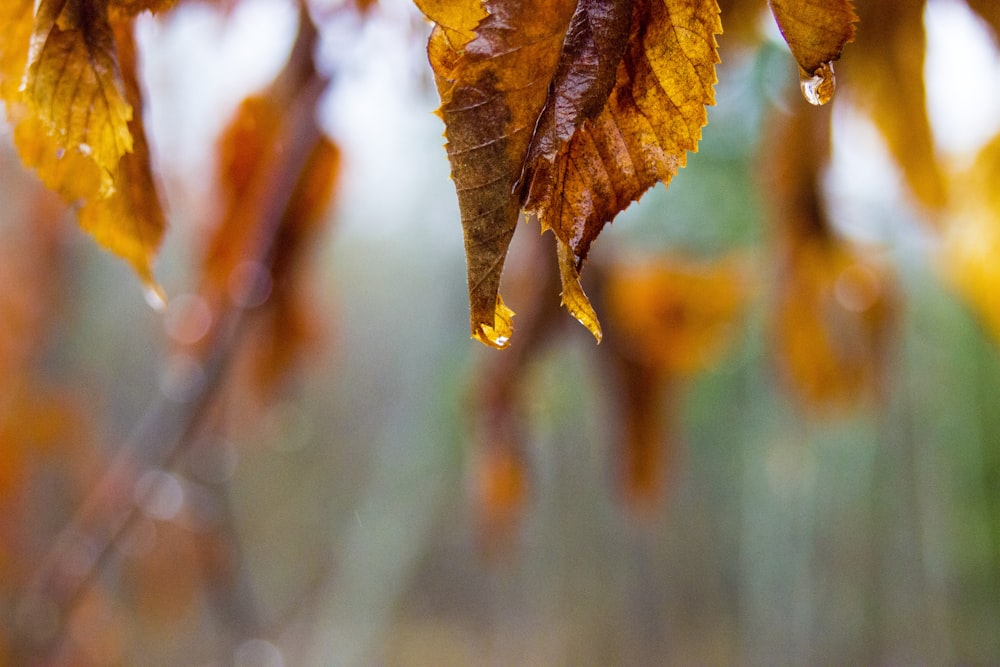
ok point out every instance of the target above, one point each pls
(972, 238)
(835, 303)
(130, 221)
(493, 86)
(741, 19)
(886, 70)
(73, 84)
(251, 267)
(989, 11)
(833, 312)
(816, 32)
(576, 108)
(120, 10)
(676, 314)
(17, 20)
(652, 117)
(668, 318)
(288, 319)
(78, 121)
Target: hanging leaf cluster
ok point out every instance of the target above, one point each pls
(570, 111)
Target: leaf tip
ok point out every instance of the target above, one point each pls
(155, 297)
(498, 334)
(573, 296)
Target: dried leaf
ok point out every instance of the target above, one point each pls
(833, 311)
(73, 84)
(972, 239)
(18, 23)
(77, 119)
(989, 11)
(653, 116)
(742, 19)
(645, 448)
(816, 32)
(501, 492)
(834, 304)
(886, 70)
(493, 86)
(233, 269)
(289, 318)
(121, 10)
(668, 318)
(673, 314)
(130, 221)
(574, 108)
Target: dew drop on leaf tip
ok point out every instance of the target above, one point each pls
(155, 298)
(819, 87)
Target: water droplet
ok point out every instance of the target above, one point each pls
(85, 149)
(155, 298)
(818, 89)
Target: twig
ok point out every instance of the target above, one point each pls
(168, 426)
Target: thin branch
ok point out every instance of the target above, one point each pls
(169, 426)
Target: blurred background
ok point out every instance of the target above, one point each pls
(786, 450)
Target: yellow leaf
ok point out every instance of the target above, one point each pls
(673, 314)
(129, 221)
(972, 240)
(120, 10)
(73, 175)
(16, 19)
(492, 88)
(571, 109)
(73, 123)
(834, 304)
(816, 32)
(73, 85)
(640, 136)
(886, 70)
(833, 311)
(989, 11)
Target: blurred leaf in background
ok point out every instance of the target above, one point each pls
(785, 449)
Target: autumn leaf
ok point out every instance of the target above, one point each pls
(669, 318)
(989, 11)
(73, 84)
(77, 119)
(741, 19)
(835, 303)
(130, 221)
(886, 70)
(248, 265)
(16, 19)
(816, 32)
(971, 242)
(571, 110)
(289, 320)
(673, 313)
(120, 10)
(500, 474)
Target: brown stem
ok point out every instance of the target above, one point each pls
(168, 427)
